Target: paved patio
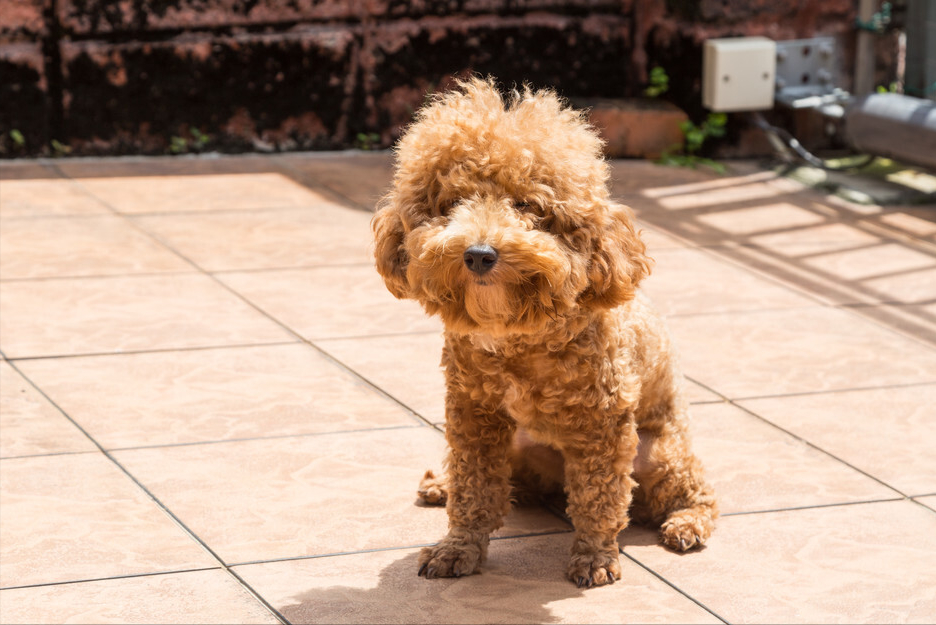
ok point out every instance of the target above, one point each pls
(214, 412)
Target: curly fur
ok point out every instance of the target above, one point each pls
(559, 375)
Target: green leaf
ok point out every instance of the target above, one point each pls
(18, 137)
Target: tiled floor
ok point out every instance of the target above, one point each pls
(214, 412)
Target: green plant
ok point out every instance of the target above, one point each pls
(659, 83)
(181, 145)
(367, 140)
(18, 139)
(694, 136)
(59, 148)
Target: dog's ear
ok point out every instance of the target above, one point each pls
(618, 260)
(389, 251)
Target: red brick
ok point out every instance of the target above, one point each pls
(636, 128)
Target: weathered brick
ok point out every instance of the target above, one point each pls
(89, 18)
(24, 94)
(21, 20)
(283, 91)
(577, 56)
(635, 128)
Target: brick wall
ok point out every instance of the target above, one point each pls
(131, 76)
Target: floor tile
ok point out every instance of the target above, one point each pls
(768, 197)
(326, 302)
(213, 192)
(698, 394)
(97, 315)
(144, 167)
(657, 240)
(869, 262)
(324, 235)
(37, 198)
(167, 398)
(523, 581)
(81, 246)
(633, 176)
(304, 496)
(794, 351)
(928, 501)
(753, 220)
(754, 467)
(867, 563)
(31, 425)
(686, 281)
(816, 239)
(362, 178)
(78, 517)
(25, 170)
(406, 367)
(194, 597)
(886, 432)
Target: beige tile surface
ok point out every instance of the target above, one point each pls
(406, 367)
(312, 495)
(30, 425)
(193, 597)
(796, 350)
(755, 467)
(78, 517)
(95, 315)
(323, 235)
(215, 394)
(362, 178)
(210, 192)
(886, 432)
(301, 467)
(305, 300)
(40, 197)
(522, 582)
(80, 246)
(928, 501)
(688, 281)
(866, 563)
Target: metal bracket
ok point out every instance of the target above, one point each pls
(806, 71)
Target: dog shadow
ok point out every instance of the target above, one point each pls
(518, 581)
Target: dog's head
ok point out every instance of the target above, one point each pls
(499, 218)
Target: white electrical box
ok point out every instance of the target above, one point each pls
(738, 74)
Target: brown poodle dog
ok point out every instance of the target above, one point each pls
(559, 375)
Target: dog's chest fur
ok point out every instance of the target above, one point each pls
(545, 382)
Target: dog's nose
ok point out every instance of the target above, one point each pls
(480, 258)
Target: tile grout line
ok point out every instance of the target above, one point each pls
(841, 504)
(339, 554)
(751, 253)
(159, 504)
(158, 239)
(671, 585)
(800, 438)
(112, 577)
(852, 389)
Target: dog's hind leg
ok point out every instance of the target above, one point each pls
(672, 492)
(433, 491)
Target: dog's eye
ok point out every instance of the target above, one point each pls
(443, 207)
(521, 205)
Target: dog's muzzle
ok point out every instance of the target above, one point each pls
(480, 258)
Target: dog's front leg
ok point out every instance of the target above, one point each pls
(478, 488)
(598, 485)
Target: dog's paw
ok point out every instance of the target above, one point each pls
(432, 490)
(686, 529)
(594, 569)
(449, 559)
